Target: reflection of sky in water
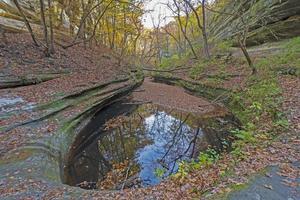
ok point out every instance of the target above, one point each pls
(131, 150)
(169, 136)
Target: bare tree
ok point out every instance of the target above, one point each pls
(157, 34)
(52, 51)
(26, 22)
(138, 35)
(242, 34)
(202, 26)
(93, 34)
(242, 39)
(83, 19)
(45, 30)
(172, 35)
(183, 27)
(204, 33)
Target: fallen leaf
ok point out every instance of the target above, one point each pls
(268, 175)
(269, 187)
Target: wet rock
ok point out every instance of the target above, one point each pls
(268, 187)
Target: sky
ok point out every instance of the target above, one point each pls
(157, 8)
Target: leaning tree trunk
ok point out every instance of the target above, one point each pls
(242, 40)
(186, 37)
(247, 56)
(43, 20)
(26, 22)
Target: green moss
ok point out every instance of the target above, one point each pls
(16, 157)
(55, 105)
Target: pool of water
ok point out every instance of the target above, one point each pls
(138, 146)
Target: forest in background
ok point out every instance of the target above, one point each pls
(118, 25)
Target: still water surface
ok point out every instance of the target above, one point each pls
(141, 145)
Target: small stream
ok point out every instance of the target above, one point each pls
(128, 145)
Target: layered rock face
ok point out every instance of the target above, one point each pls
(268, 20)
(11, 20)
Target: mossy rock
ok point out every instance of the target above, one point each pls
(197, 88)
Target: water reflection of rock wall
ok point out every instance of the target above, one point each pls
(84, 162)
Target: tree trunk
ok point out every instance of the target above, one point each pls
(205, 43)
(94, 29)
(26, 22)
(247, 56)
(186, 37)
(183, 29)
(202, 27)
(52, 51)
(84, 25)
(113, 31)
(43, 20)
(83, 19)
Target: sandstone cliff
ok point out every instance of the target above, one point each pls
(269, 20)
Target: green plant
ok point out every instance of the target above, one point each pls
(256, 109)
(159, 172)
(293, 45)
(171, 62)
(201, 65)
(204, 159)
(282, 123)
(182, 170)
(287, 59)
(237, 150)
(197, 70)
(257, 105)
(244, 135)
(262, 97)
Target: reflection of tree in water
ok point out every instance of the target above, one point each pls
(85, 165)
(149, 139)
(174, 140)
(130, 149)
(121, 143)
(119, 146)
